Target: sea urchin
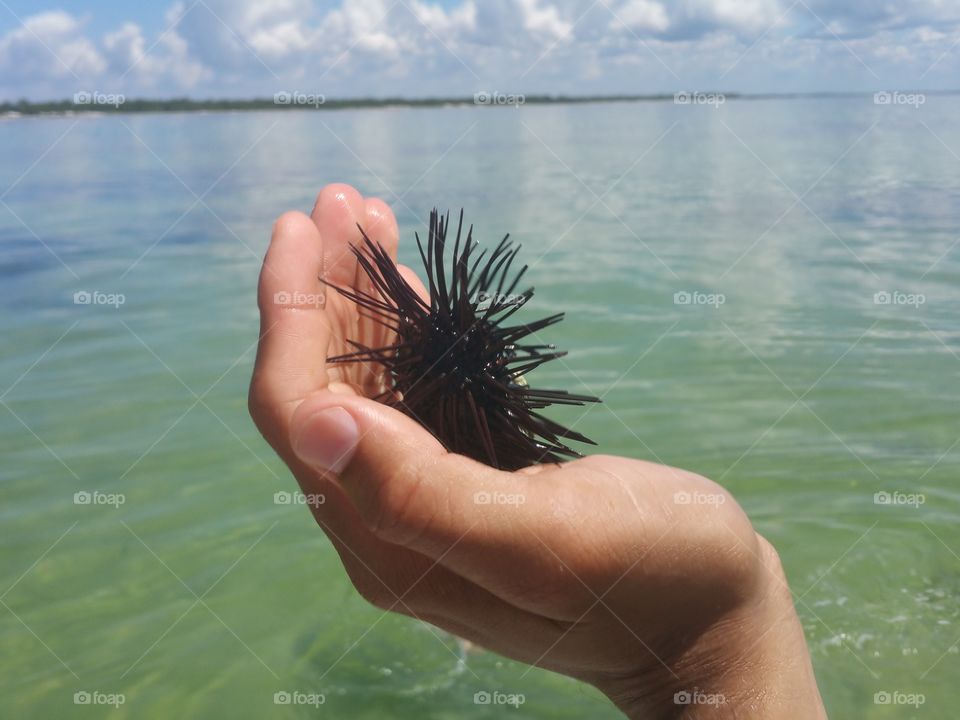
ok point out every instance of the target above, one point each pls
(454, 366)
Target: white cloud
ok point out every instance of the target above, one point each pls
(241, 48)
(543, 20)
(461, 19)
(360, 25)
(126, 45)
(744, 15)
(279, 40)
(643, 15)
(867, 17)
(48, 46)
(167, 64)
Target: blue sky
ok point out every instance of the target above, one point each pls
(246, 48)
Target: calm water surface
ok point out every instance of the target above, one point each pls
(786, 377)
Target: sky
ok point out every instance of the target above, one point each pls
(52, 49)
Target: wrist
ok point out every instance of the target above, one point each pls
(752, 663)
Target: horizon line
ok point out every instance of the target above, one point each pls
(98, 102)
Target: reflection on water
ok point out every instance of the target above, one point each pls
(802, 390)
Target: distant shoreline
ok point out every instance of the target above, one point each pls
(100, 103)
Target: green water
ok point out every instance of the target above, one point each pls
(199, 597)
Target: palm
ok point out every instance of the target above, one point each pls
(347, 324)
(317, 248)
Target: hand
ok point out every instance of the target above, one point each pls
(643, 580)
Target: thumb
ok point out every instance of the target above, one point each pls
(350, 435)
(395, 471)
(327, 439)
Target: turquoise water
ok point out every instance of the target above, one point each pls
(201, 597)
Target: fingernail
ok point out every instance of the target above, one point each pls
(327, 440)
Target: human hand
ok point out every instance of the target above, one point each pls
(643, 580)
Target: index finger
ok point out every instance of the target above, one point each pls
(294, 327)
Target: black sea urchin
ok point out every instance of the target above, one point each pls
(454, 366)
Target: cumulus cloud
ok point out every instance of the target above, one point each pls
(280, 40)
(865, 18)
(48, 46)
(166, 63)
(688, 19)
(363, 26)
(643, 15)
(421, 47)
(744, 15)
(543, 19)
(461, 19)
